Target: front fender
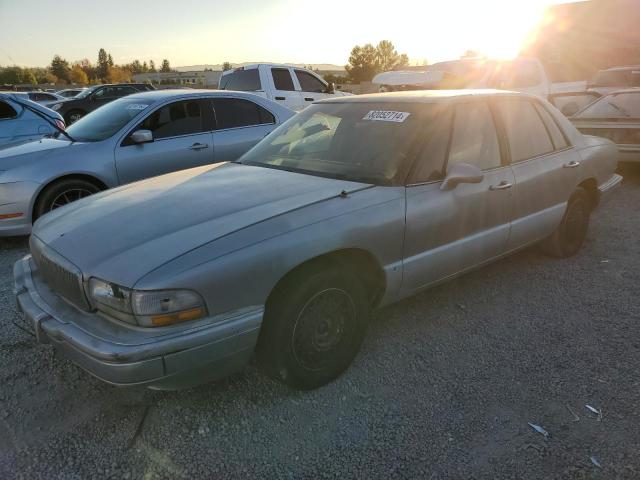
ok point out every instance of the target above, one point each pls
(242, 269)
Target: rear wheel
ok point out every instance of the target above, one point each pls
(73, 116)
(570, 234)
(62, 193)
(313, 327)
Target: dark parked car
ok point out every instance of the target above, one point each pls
(87, 101)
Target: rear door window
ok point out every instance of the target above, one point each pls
(282, 79)
(559, 142)
(309, 83)
(526, 134)
(474, 139)
(237, 112)
(7, 111)
(175, 119)
(242, 80)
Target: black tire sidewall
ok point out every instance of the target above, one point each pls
(579, 199)
(67, 116)
(51, 192)
(282, 316)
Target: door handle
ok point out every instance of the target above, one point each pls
(280, 98)
(571, 164)
(198, 146)
(308, 99)
(503, 185)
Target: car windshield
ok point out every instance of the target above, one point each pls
(106, 120)
(365, 142)
(85, 93)
(614, 106)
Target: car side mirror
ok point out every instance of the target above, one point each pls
(331, 88)
(142, 136)
(461, 173)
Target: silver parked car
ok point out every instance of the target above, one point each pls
(22, 120)
(354, 203)
(138, 136)
(615, 116)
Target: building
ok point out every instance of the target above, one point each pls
(575, 40)
(195, 79)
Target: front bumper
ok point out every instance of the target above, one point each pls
(607, 188)
(163, 358)
(17, 197)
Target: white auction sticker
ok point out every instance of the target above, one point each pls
(386, 116)
(137, 106)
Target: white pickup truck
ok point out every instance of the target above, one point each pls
(522, 74)
(294, 87)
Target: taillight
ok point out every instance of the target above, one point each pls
(60, 124)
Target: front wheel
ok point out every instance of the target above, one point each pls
(63, 192)
(570, 234)
(313, 327)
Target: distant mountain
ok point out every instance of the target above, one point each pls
(316, 66)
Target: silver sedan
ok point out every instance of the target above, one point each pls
(138, 136)
(352, 204)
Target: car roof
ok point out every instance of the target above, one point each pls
(251, 66)
(423, 96)
(160, 95)
(622, 68)
(623, 90)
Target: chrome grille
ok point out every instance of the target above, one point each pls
(60, 275)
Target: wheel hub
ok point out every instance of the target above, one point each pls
(321, 328)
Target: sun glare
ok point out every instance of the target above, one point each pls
(430, 30)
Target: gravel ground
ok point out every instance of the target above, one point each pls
(444, 387)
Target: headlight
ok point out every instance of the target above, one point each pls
(147, 308)
(56, 106)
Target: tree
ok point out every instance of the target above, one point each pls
(88, 69)
(45, 76)
(110, 60)
(226, 66)
(136, 67)
(60, 68)
(152, 66)
(166, 68)
(102, 67)
(118, 75)
(78, 75)
(28, 77)
(366, 61)
(362, 63)
(388, 58)
(11, 75)
(470, 54)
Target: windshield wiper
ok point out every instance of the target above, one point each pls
(43, 116)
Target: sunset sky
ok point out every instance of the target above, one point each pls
(189, 32)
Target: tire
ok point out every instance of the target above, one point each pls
(73, 116)
(63, 192)
(568, 238)
(306, 350)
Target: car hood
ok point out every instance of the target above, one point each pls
(123, 234)
(35, 149)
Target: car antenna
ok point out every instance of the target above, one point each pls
(43, 116)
